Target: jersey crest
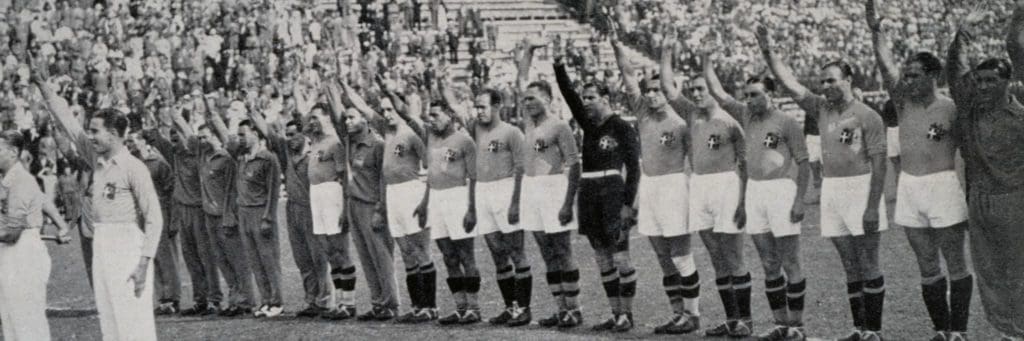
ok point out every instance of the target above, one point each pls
(607, 143)
(936, 132)
(666, 139)
(399, 150)
(109, 190)
(495, 146)
(771, 140)
(846, 136)
(451, 155)
(714, 141)
(540, 145)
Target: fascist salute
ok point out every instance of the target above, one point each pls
(450, 208)
(551, 161)
(852, 210)
(989, 132)
(774, 201)
(930, 201)
(606, 196)
(662, 195)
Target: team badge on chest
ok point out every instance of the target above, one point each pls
(607, 143)
(714, 142)
(936, 132)
(846, 136)
(399, 150)
(320, 155)
(666, 139)
(771, 140)
(109, 190)
(450, 155)
(495, 146)
(540, 145)
(3, 206)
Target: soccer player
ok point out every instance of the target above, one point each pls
(662, 195)
(292, 151)
(366, 208)
(404, 156)
(990, 131)
(217, 176)
(717, 192)
(852, 209)
(551, 150)
(258, 184)
(930, 202)
(166, 260)
(121, 192)
(499, 171)
(24, 260)
(451, 180)
(774, 207)
(187, 218)
(606, 196)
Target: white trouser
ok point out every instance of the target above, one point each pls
(402, 200)
(24, 271)
(327, 201)
(117, 249)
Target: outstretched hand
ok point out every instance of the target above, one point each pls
(871, 14)
(764, 39)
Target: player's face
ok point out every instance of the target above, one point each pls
(387, 110)
(655, 97)
(535, 102)
(482, 109)
(833, 84)
(207, 137)
(990, 85)
(102, 139)
(135, 144)
(757, 99)
(915, 78)
(296, 141)
(8, 155)
(437, 120)
(247, 137)
(593, 102)
(354, 121)
(698, 91)
(315, 126)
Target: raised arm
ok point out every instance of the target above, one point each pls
(1015, 41)
(781, 71)
(524, 60)
(883, 53)
(61, 112)
(728, 103)
(572, 99)
(957, 63)
(358, 103)
(337, 113)
(628, 74)
(682, 105)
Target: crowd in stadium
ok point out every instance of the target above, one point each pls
(143, 122)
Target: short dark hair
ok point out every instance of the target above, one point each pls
(494, 95)
(843, 66)
(646, 83)
(252, 126)
(601, 89)
(1000, 65)
(113, 120)
(296, 123)
(931, 64)
(543, 86)
(14, 139)
(323, 107)
(768, 82)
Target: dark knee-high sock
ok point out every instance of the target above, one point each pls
(935, 301)
(874, 301)
(507, 284)
(524, 286)
(472, 287)
(775, 290)
(627, 290)
(347, 283)
(726, 292)
(457, 287)
(428, 285)
(610, 281)
(855, 293)
(412, 282)
(741, 288)
(690, 285)
(795, 301)
(570, 288)
(960, 303)
(674, 290)
(554, 279)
